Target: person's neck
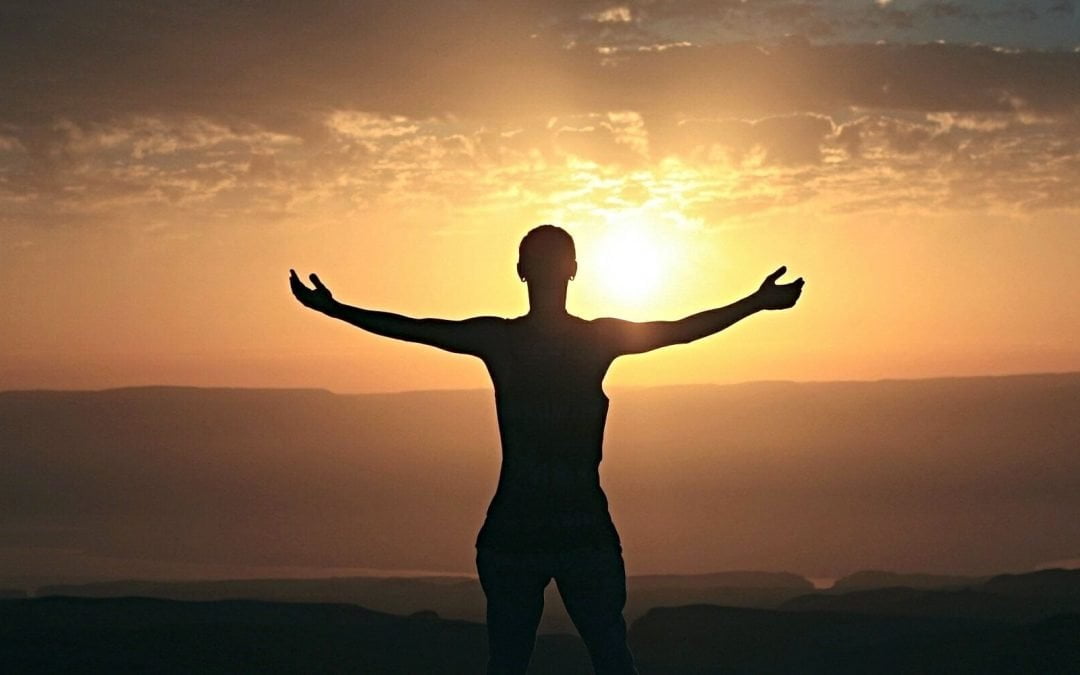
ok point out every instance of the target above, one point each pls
(547, 302)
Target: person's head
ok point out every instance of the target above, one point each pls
(546, 256)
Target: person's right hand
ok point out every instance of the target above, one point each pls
(318, 298)
(772, 295)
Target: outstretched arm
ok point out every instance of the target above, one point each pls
(629, 337)
(469, 336)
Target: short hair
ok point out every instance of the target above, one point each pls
(545, 249)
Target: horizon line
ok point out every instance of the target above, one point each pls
(397, 392)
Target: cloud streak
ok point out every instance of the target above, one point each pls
(213, 114)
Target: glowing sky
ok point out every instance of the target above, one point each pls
(161, 169)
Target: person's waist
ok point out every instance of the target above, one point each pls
(555, 495)
(526, 518)
(563, 532)
(551, 474)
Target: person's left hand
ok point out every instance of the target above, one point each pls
(318, 298)
(772, 295)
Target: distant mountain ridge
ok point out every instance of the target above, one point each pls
(729, 579)
(868, 579)
(1006, 598)
(457, 598)
(1051, 583)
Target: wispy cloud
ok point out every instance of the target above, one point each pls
(218, 113)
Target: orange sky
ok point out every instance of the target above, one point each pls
(150, 212)
(888, 298)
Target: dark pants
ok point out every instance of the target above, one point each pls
(592, 583)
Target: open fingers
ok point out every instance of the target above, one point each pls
(797, 287)
(317, 282)
(296, 284)
(777, 274)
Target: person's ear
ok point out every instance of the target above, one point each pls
(521, 273)
(573, 270)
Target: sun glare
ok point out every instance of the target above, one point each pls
(630, 263)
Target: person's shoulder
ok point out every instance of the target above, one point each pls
(614, 334)
(485, 321)
(607, 330)
(496, 326)
(486, 330)
(606, 323)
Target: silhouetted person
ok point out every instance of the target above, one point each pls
(549, 518)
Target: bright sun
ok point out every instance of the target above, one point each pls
(630, 263)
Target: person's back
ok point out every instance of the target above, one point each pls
(549, 517)
(551, 408)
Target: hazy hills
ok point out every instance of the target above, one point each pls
(949, 476)
(1010, 598)
(1005, 598)
(456, 598)
(866, 579)
(105, 635)
(1027, 623)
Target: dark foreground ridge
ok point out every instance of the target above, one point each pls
(457, 597)
(1008, 624)
(124, 635)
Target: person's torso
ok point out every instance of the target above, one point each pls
(551, 409)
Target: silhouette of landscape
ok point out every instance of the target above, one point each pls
(455, 597)
(1026, 623)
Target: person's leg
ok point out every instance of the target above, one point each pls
(592, 584)
(514, 586)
